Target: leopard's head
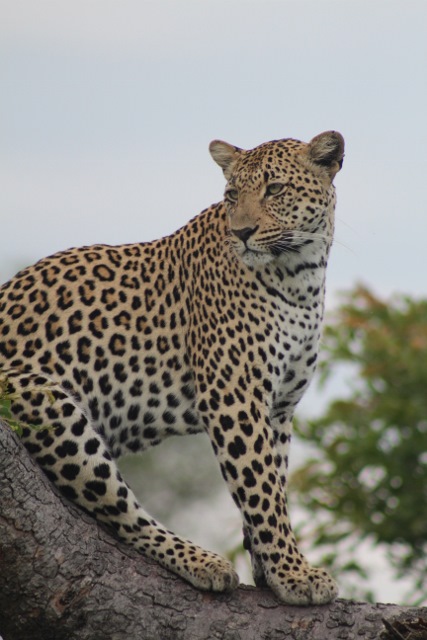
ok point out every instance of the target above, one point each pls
(279, 196)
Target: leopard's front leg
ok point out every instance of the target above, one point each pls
(282, 433)
(253, 468)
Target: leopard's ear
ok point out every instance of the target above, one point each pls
(327, 151)
(225, 155)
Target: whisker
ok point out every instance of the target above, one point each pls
(281, 241)
(308, 235)
(342, 221)
(342, 244)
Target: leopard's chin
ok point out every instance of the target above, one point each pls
(255, 258)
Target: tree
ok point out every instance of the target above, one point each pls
(369, 475)
(62, 577)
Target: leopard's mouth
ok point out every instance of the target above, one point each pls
(284, 245)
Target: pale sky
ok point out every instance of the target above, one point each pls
(108, 107)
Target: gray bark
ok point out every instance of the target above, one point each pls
(62, 577)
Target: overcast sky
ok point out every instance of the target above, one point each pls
(108, 107)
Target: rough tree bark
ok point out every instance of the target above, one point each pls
(62, 577)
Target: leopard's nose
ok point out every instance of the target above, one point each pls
(245, 233)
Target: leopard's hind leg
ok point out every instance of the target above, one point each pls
(75, 457)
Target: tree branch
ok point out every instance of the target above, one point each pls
(62, 577)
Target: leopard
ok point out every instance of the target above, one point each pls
(214, 328)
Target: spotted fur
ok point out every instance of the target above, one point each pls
(214, 328)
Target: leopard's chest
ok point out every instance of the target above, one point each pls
(295, 350)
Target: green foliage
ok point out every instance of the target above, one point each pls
(369, 477)
(6, 399)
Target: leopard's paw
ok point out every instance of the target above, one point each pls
(217, 576)
(209, 572)
(307, 586)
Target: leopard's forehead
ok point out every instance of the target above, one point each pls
(269, 160)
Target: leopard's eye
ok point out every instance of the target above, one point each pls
(231, 195)
(274, 189)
